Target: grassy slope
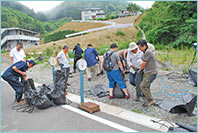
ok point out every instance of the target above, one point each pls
(98, 39)
(80, 26)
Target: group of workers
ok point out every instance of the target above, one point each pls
(137, 58)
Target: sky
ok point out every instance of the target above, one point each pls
(47, 5)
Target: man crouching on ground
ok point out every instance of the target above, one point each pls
(14, 73)
(63, 60)
(150, 71)
(112, 65)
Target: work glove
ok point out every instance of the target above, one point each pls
(139, 71)
(122, 72)
(101, 72)
(61, 65)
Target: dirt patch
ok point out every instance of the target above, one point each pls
(80, 26)
(124, 20)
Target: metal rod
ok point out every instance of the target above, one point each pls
(53, 74)
(81, 87)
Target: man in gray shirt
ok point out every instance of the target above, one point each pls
(150, 71)
(114, 75)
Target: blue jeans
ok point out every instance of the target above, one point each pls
(114, 76)
(133, 78)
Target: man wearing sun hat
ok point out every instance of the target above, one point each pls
(134, 60)
(12, 75)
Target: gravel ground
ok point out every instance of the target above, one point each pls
(173, 84)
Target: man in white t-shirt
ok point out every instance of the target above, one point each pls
(63, 60)
(17, 53)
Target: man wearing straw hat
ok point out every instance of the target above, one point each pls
(134, 60)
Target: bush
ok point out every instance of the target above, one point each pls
(48, 52)
(120, 33)
(57, 35)
(139, 35)
(108, 36)
(103, 49)
(123, 45)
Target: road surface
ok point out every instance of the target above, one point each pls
(58, 119)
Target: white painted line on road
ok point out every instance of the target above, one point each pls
(99, 119)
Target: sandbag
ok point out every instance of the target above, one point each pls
(99, 90)
(60, 80)
(177, 129)
(192, 77)
(42, 102)
(117, 92)
(58, 96)
(178, 106)
(183, 128)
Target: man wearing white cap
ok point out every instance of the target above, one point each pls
(134, 60)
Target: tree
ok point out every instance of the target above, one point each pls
(133, 8)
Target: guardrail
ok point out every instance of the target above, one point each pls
(112, 26)
(18, 37)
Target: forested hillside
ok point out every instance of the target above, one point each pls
(15, 18)
(72, 9)
(14, 14)
(171, 23)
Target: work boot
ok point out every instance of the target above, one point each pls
(74, 71)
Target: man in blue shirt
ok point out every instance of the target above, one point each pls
(92, 58)
(12, 75)
(78, 55)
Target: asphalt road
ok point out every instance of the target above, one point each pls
(54, 119)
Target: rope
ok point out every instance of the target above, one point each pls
(158, 122)
(184, 92)
(23, 108)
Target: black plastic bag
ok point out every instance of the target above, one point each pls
(179, 107)
(42, 102)
(29, 91)
(45, 90)
(58, 96)
(60, 80)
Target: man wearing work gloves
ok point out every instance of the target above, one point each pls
(134, 60)
(63, 60)
(12, 75)
(113, 73)
(150, 71)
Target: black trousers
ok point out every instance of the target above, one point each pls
(76, 58)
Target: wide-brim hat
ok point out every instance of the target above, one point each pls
(132, 46)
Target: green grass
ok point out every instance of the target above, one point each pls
(120, 33)
(136, 111)
(178, 57)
